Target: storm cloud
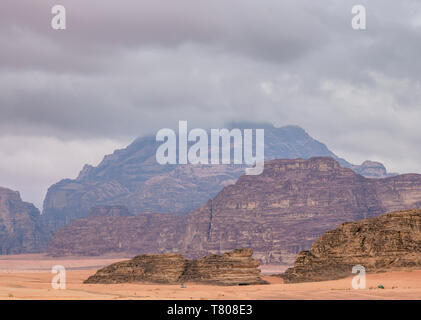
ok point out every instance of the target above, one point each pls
(125, 68)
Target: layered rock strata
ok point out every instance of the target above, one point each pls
(386, 243)
(133, 178)
(232, 268)
(120, 232)
(278, 213)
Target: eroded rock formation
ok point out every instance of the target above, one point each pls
(232, 268)
(21, 228)
(389, 242)
(278, 213)
(291, 204)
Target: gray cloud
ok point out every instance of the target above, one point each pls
(126, 68)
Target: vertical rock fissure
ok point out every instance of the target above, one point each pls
(210, 220)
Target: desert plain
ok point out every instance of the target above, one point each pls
(29, 277)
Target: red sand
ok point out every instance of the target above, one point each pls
(29, 277)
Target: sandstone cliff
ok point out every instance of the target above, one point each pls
(132, 177)
(278, 213)
(389, 242)
(282, 211)
(232, 268)
(112, 229)
(21, 228)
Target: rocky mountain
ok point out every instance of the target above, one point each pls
(232, 268)
(98, 234)
(283, 210)
(133, 178)
(385, 243)
(278, 213)
(21, 228)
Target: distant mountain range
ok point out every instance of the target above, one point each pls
(277, 214)
(133, 178)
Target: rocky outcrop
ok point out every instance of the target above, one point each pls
(278, 213)
(232, 268)
(389, 242)
(21, 228)
(132, 177)
(157, 268)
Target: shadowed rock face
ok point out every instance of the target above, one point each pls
(232, 268)
(133, 178)
(278, 213)
(21, 228)
(389, 242)
(112, 229)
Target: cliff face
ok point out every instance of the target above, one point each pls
(282, 211)
(388, 242)
(21, 228)
(278, 213)
(232, 268)
(119, 232)
(132, 177)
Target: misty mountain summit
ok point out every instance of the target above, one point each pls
(133, 178)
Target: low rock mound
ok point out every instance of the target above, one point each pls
(389, 242)
(232, 268)
(159, 268)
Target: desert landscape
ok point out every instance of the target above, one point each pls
(29, 277)
(221, 150)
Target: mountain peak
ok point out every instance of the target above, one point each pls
(133, 178)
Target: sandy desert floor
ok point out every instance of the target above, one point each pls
(29, 277)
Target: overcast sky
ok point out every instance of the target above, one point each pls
(124, 68)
